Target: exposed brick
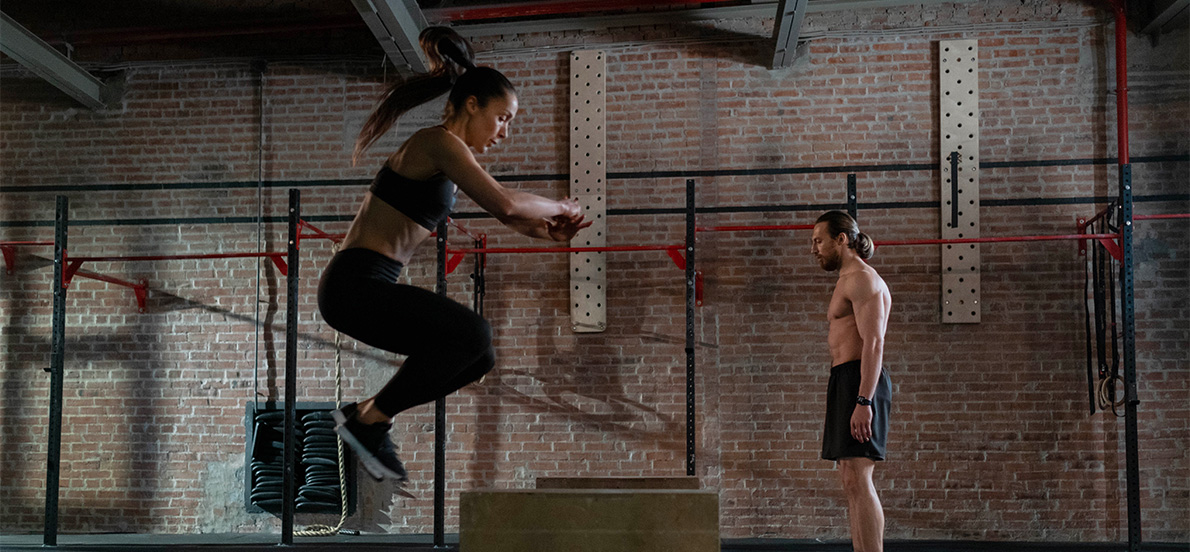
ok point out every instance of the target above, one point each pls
(991, 435)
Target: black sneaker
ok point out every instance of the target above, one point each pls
(371, 443)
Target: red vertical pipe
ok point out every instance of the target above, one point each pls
(1121, 80)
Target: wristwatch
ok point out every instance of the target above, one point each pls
(863, 401)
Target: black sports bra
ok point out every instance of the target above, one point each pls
(426, 202)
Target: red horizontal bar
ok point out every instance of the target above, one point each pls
(332, 237)
(8, 243)
(108, 279)
(178, 257)
(140, 290)
(1099, 215)
(1003, 240)
(1161, 217)
(318, 233)
(568, 249)
(341, 237)
(754, 228)
(463, 229)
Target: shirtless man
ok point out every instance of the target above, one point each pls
(859, 392)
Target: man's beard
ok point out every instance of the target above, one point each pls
(829, 264)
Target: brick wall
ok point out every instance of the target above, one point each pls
(991, 435)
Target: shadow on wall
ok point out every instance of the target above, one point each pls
(376, 501)
(123, 442)
(90, 420)
(116, 426)
(587, 388)
(487, 421)
(18, 427)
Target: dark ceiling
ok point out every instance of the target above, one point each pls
(146, 30)
(122, 31)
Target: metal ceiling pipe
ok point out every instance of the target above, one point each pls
(144, 35)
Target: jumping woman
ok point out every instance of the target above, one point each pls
(446, 344)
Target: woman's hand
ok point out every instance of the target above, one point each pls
(570, 209)
(563, 228)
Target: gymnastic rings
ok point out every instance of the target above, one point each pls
(1107, 392)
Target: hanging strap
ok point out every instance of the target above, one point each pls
(1100, 309)
(1105, 299)
(1114, 373)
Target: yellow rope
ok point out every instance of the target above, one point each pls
(327, 530)
(1105, 395)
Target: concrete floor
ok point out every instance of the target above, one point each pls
(420, 543)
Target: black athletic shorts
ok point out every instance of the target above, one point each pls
(841, 392)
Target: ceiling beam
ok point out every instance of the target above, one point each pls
(786, 30)
(761, 9)
(853, 5)
(1162, 12)
(396, 25)
(32, 52)
(599, 23)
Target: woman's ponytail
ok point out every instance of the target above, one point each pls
(446, 51)
(449, 56)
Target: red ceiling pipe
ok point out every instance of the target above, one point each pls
(556, 8)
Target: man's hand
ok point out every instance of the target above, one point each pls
(563, 228)
(861, 423)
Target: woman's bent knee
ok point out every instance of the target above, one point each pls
(475, 337)
(486, 362)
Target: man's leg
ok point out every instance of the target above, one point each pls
(863, 506)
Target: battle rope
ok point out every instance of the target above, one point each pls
(327, 530)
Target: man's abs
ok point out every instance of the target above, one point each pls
(844, 340)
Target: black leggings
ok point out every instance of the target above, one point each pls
(448, 345)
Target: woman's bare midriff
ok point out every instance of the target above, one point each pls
(385, 230)
(379, 226)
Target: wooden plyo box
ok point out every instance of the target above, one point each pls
(617, 483)
(589, 520)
